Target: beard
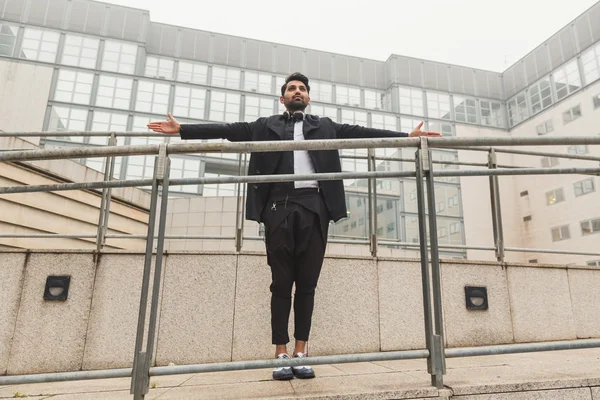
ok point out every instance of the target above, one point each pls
(295, 105)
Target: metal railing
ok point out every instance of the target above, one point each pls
(424, 174)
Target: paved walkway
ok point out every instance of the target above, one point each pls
(567, 375)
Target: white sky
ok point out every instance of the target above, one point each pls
(477, 33)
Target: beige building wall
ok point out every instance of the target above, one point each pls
(25, 88)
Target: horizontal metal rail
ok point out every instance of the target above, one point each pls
(550, 251)
(273, 146)
(319, 360)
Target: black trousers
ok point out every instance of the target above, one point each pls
(295, 244)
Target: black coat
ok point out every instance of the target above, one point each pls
(273, 128)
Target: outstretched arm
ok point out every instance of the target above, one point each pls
(235, 132)
(345, 131)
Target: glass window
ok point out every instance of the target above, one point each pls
(185, 167)
(381, 121)
(158, 67)
(320, 91)
(39, 45)
(257, 107)
(411, 101)
(491, 113)
(591, 64)
(114, 92)
(548, 162)
(465, 109)
(192, 72)
(224, 106)
(107, 122)
(68, 119)
(279, 81)
(257, 82)
(438, 105)
(189, 102)
(8, 36)
(595, 263)
(517, 109)
(545, 127)
(80, 51)
(540, 95)
(561, 233)
(590, 226)
(119, 57)
(152, 97)
(324, 111)
(572, 114)
(444, 128)
(353, 117)
(584, 187)
(142, 167)
(386, 99)
(555, 196)
(407, 125)
(373, 99)
(567, 80)
(348, 96)
(74, 87)
(579, 149)
(226, 77)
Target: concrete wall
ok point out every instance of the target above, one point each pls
(25, 89)
(214, 306)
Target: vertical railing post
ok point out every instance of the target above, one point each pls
(496, 209)
(239, 220)
(140, 382)
(373, 205)
(109, 169)
(433, 337)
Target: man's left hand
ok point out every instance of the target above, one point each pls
(419, 132)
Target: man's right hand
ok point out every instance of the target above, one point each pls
(170, 127)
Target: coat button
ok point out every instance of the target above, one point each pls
(255, 187)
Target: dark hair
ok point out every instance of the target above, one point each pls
(296, 76)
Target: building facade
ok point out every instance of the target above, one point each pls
(85, 65)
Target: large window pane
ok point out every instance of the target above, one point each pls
(540, 95)
(74, 87)
(438, 105)
(152, 97)
(591, 64)
(567, 80)
(114, 92)
(381, 121)
(80, 51)
(107, 122)
(189, 102)
(257, 107)
(8, 36)
(373, 99)
(39, 45)
(257, 82)
(320, 91)
(192, 72)
(354, 117)
(158, 67)
(411, 101)
(67, 119)
(119, 57)
(517, 109)
(465, 109)
(323, 111)
(491, 113)
(348, 96)
(226, 77)
(224, 107)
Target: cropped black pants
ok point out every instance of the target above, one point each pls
(295, 244)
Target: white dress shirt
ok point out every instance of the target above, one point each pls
(302, 161)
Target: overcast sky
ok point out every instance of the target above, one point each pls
(487, 34)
